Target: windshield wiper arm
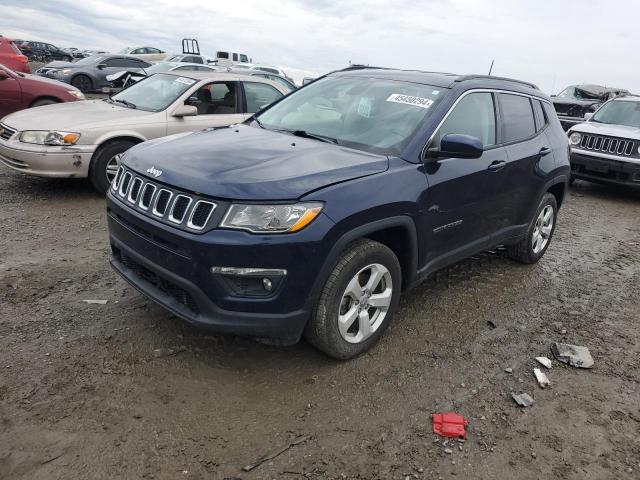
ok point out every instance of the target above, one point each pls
(125, 103)
(305, 134)
(255, 119)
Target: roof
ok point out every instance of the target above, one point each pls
(438, 79)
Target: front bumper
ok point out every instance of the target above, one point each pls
(46, 161)
(605, 169)
(172, 267)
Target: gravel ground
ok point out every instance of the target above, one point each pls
(126, 391)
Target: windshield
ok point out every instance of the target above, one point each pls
(621, 112)
(370, 114)
(89, 60)
(578, 94)
(154, 94)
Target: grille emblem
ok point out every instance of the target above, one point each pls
(154, 171)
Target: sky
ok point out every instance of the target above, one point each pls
(550, 43)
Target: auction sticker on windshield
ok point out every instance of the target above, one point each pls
(409, 100)
(186, 81)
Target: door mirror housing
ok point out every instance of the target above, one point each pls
(101, 66)
(456, 145)
(185, 111)
(587, 116)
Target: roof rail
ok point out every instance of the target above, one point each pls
(491, 77)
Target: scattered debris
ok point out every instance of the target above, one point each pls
(167, 352)
(448, 451)
(523, 399)
(541, 377)
(508, 370)
(544, 361)
(449, 425)
(492, 324)
(271, 456)
(96, 302)
(574, 355)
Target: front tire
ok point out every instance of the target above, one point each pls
(357, 302)
(82, 83)
(105, 164)
(534, 245)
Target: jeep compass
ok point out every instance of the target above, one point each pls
(313, 215)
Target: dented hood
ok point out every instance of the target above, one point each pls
(250, 163)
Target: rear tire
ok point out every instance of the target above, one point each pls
(107, 157)
(531, 248)
(357, 302)
(82, 83)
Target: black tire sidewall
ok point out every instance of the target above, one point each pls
(329, 303)
(547, 199)
(97, 169)
(89, 85)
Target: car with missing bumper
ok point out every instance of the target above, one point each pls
(87, 139)
(312, 216)
(606, 148)
(576, 101)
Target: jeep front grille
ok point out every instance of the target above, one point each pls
(610, 145)
(163, 203)
(7, 132)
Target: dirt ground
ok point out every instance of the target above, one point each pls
(126, 391)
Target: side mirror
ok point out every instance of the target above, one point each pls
(185, 111)
(101, 66)
(587, 116)
(455, 145)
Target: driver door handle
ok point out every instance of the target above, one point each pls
(497, 165)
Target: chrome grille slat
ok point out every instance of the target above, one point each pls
(148, 192)
(614, 146)
(178, 217)
(7, 132)
(201, 208)
(184, 210)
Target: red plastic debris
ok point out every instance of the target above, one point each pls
(449, 425)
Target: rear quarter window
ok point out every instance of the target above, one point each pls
(518, 122)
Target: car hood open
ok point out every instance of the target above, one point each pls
(74, 116)
(250, 163)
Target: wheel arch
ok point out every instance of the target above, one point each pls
(44, 97)
(398, 233)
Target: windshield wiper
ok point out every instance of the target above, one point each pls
(305, 134)
(255, 119)
(125, 103)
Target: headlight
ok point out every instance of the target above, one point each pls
(66, 71)
(49, 138)
(575, 138)
(271, 218)
(77, 93)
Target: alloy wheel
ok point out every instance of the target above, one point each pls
(112, 167)
(365, 303)
(542, 230)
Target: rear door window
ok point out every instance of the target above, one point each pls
(474, 115)
(517, 117)
(259, 95)
(541, 119)
(217, 98)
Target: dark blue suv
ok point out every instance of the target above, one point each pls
(312, 216)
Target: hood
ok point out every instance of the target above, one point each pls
(250, 163)
(48, 81)
(575, 101)
(60, 64)
(608, 130)
(73, 116)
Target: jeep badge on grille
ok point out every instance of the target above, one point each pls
(154, 171)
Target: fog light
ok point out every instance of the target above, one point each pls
(266, 283)
(250, 282)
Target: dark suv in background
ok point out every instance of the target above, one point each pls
(312, 216)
